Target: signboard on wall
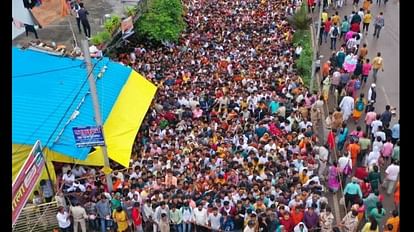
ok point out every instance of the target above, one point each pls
(26, 179)
(89, 136)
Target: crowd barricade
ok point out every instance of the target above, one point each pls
(37, 218)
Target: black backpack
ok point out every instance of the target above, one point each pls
(335, 31)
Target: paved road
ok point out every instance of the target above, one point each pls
(60, 32)
(388, 82)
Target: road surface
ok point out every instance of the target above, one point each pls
(388, 83)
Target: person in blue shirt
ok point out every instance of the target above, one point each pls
(342, 136)
(395, 132)
(226, 222)
(352, 191)
(273, 106)
(261, 130)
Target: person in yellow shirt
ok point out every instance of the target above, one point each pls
(394, 220)
(121, 219)
(366, 21)
(336, 19)
(303, 177)
(371, 226)
(324, 16)
(377, 63)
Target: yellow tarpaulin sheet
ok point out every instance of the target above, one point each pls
(120, 128)
(124, 121)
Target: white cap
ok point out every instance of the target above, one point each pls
(373, 85)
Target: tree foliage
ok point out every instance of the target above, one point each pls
(162, 22)
(304, 63)
(301, 20)
(100, 38)
(112, 24)
(131, 10)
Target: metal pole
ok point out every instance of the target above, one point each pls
(315, 51)
(48, 175)
(73, 33)
(98, 118)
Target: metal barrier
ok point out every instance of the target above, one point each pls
(37, 218)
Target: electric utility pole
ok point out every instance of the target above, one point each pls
(315, 50)
(107, 170)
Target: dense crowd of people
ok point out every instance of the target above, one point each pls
(230, 142)
(373, 146)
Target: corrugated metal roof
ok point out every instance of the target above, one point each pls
(46, 88)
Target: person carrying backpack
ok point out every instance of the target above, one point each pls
(334, 32)
(360, 104)
(187, 215)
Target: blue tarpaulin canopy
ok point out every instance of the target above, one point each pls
(47, 90)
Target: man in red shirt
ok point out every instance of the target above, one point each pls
(287, 222)
(361, 173)
(327, 28)
(355, 27)
(311, 6)
(297, 214)
(136, 217)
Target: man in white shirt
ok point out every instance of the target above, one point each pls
(375, 124)
(347, 106)
(298, 50)
(162, 208)
(200, 218)
(63, 220)
(304, 124)
(352, 42)
(391, 176)
(238, 158)
(78, 171)
(323, 154)
(68, 178)
(187, 216)
(214, 220)
(184, 101)
(380, 133)
(373, 158)
(295, 202)
(263, 158)
(147, 211)
(75, 186)
(136, 196)
(118, 175)
(133, 174)
(269, 146)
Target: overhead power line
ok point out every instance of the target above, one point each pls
(47, 71)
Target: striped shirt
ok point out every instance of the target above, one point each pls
(351, 43)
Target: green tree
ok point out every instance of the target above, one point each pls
(301, 20)
(162, 22)
(304, 63)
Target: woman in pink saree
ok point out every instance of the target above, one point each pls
(333, 177)
(349, 35)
